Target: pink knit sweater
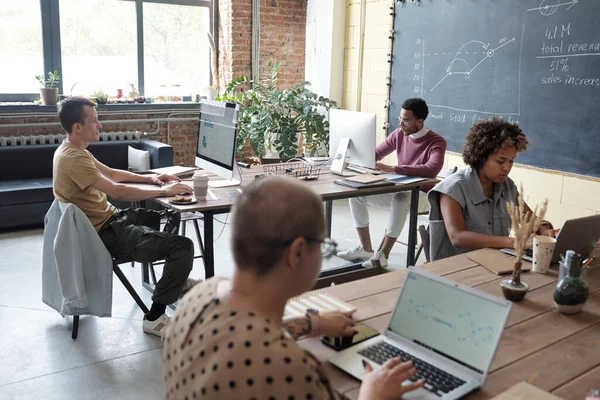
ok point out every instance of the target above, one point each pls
(416, 157)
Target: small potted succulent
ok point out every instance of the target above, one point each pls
(49, 89)
(524, 224)
(101, 96)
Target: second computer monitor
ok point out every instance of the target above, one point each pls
(217, 134)
(359, 127)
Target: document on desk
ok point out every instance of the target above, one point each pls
(403, 179)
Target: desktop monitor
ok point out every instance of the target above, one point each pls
(217, 133)
(359, 130)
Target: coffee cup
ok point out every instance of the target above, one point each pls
(543, 248)
(200, 184)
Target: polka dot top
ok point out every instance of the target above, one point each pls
(213, 351)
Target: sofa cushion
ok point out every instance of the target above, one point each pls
(26, 162)
(25, 191)
(113, 153)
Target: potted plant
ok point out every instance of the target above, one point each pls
(212, 91)
(101, 96)
(273, 119)
(49, 89)
(524, 224)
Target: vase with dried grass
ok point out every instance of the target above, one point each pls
(524, 225)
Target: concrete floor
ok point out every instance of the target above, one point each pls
(112, 357)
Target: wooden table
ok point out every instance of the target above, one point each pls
(555, 352)
(324, 186)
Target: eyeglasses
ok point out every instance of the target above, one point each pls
(328, 246)
(405, 120)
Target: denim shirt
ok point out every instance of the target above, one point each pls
(482, 215)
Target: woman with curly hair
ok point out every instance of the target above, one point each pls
(468, 209)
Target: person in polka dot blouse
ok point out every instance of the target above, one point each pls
(227, 339)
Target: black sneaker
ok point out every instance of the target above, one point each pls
(173, 222)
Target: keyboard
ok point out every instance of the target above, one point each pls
(437, 381)
(363, 170)
(232, 194)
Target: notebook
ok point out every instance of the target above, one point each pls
(323, 302)
(366, 178)
(403, 179)
(358, 185)
(525, 391)
(496, 261)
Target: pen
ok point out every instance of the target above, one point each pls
(587, 262)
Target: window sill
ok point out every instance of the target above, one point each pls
(9, 108)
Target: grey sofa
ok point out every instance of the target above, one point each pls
(26, 176)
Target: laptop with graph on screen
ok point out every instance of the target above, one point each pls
(449, 331)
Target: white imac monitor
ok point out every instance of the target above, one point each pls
(352, 133)
(217, 133)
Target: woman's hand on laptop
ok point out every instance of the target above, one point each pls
(336, 323)
(385, 383)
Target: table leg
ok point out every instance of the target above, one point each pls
(412, 227)
(209, 251)
(328, 216)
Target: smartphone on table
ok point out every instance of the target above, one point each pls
(363, 332)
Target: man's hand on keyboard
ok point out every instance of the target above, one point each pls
(385, 168)
(386, 382)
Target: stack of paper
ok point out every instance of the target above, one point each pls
(176, 170)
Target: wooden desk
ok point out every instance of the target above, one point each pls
(555, 352)
(324, 186)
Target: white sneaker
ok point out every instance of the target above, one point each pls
(357, 253)
(189, 284)
(157, 327)
(378, 256)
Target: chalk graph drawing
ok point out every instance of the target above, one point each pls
(463, 324)
(550, 7)
(460, 66)
(481, 76)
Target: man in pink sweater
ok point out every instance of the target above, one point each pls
(420, 152)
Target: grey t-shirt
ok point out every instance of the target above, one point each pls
(482, 215)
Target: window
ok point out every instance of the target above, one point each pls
(176, 50)
(20, 46)
(157, 46)
(98, 46)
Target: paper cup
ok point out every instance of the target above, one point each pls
(543, 248)
(200, 184)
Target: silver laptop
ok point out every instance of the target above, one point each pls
(579, 235)
(449, 331)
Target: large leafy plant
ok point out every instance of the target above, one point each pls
(273, 119)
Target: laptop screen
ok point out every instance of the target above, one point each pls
(449, 321)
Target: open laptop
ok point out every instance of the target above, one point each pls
(579, 235)
(449, 331)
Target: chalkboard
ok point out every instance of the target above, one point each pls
(535, 62)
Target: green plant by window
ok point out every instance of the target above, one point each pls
(273, 119)
(52, 80)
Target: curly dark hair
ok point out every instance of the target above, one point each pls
(417, 106)
(486, 137)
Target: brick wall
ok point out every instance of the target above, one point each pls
(181, 135)
(282, 38)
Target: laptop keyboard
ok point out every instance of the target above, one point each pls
(436, 381)
(363, 170)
